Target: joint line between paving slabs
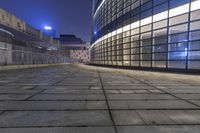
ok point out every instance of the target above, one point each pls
(109, 109)
(35, 94)
(162, 90)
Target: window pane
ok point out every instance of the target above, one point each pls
(179, 19)
(159, 56)
(160, 32)
(195, 35)
(156, 2)
(194, 55)
(177, 64)
(194, 45)
(160, 24)
(195, 25)
(159, 64)
(178, 29)
(146, 57)
(175, 3)
(195, 15)
(194, 64)
(160, 40)
(146, 42)
(178, 37)
(160, 48)
(177, 55)
(178, 46)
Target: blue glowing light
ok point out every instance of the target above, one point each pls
(186, 51)
(95, 32)
(48, 28)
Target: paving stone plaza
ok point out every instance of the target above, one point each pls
(76, 98)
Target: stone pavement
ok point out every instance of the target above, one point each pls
(86, 99)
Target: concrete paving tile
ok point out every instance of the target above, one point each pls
(156, 91)
(68, 97)
(7, 97)
(78, 83)
(133, 91)
(10, 87)
(95, 88)
(73, 91)
(154, 117)
(42, 105)
(129, 87)
(183, 116)
(30, 84)
(188, 96)
(19, 91)
(183, 90)
(158, 129)
(98, 105)
(126, 118)
(54, 118)
(155, 104)
(60, 130)
(67, 87)
(118, 104)
(197, 102)
(139, 96)
(112, 91)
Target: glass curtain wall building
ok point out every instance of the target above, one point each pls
(147, 33)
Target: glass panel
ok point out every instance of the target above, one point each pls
(195, 15)
(195, 25)
(146, 49)
(178, 37)
(146, 57)
(156, 2)
(178, 46)
(160, 48)
(194, 55)
(135, 50)
(178, 29)
(159, 56)
(135, 44)
(177, 55)
(160, 40)
(194, 64)
(159, 64)
(195, 45)
(146, 42)
(146, 63)
(135, 57)
(135, 63)
(160, 32)
(177, 64)
(178, 19)
(160, 24)
(195, 35)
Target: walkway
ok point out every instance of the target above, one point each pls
(85, 99)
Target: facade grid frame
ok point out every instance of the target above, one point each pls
(147, 34)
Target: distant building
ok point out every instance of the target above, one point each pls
(17, 35)
(74, 47)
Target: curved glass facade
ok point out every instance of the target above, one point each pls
(147, 33)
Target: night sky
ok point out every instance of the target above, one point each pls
(65, 16)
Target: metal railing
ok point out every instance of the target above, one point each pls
(17, 57)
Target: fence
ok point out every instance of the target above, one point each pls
(17, 57)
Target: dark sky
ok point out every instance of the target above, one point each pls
(66, 16)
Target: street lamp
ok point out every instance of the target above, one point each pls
(47, 27)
